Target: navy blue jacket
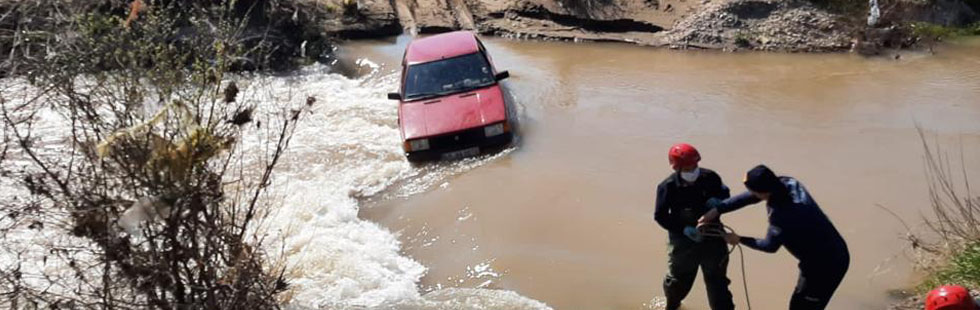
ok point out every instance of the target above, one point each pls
(796, 222)
(680, 204)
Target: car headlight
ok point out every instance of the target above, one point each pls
(418, 145)
(493, 130)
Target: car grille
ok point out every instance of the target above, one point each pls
(457, 139)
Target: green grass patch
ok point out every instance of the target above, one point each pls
(744, 39)
(933, 31)
(963, 269)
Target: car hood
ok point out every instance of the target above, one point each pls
(442, 115)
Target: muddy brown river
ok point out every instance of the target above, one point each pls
(566, 216)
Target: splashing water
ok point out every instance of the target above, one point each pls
(345, 151)
(657, 303)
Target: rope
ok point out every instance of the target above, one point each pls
(719, 230)
(745, 281)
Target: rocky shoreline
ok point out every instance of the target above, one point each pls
(769, 25)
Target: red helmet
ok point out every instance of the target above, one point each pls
(682, 155)
(950, 297)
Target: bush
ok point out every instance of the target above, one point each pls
(950, 253)
(151, 171)
(273, 34)
(743, 39)
(928, 31)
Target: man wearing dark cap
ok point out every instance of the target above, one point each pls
(797, 223)
(681, 200)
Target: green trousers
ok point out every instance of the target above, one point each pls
(685, 257)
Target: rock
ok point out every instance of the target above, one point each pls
(350, 19)
(791, 25)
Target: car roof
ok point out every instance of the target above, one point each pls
(441, 46)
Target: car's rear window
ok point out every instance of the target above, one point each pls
(447, 76)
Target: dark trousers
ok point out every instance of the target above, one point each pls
(816, 285)
(685, 257)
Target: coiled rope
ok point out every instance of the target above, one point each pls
(720, 230)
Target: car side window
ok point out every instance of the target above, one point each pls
(483, 50)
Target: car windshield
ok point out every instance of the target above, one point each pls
(447, 76)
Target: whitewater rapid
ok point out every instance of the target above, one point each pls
(345, 150)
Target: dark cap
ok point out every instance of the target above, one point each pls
(761, 179)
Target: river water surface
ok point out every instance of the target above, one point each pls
(566, 216)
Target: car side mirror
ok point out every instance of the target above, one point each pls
(501, 75)
(394, 96)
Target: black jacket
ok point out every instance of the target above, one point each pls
(797, 223)
(680, 204)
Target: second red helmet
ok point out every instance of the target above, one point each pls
(683, 154)
(950, 297)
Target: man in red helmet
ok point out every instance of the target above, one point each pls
(950, 297)
(681, 201)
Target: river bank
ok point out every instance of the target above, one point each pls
(301, 31)
(769, 25)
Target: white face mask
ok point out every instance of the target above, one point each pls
(691, 176)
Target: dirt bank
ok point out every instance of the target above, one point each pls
(795, 25)
(779, 25)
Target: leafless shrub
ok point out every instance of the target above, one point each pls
(946, 249)
(955, 217)
(278, 34)
(144, 174)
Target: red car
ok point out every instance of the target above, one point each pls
(450, 102)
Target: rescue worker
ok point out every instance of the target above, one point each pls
(680, 203)
(796, 222)
(950, 297)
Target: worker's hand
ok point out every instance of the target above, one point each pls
(692, 233)
(709, 216)
(732, 238)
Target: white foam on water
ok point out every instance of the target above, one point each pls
(656, 303)
(31, 247)
(346, 149)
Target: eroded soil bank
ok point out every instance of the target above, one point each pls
(775, 25)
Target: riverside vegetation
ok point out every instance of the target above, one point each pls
(948, 252)
(956, 223)
(123, 134)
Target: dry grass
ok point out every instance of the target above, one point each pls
(949, 252)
